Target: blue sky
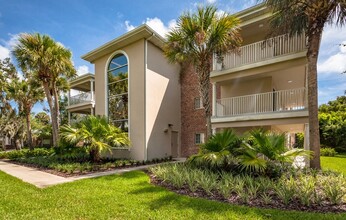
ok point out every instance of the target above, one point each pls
(83, 25)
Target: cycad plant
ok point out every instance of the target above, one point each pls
(95, 134)
(265, 147)
(219, 151)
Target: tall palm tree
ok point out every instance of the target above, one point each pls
(26, 92)
(196, 38)
(50, 61)
(308, 17)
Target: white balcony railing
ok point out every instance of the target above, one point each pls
(263, 50)
(81, 98)
(278, 101)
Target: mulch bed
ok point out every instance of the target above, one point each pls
(234, 199)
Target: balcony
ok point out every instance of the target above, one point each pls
(84, 97)
(261, 51)
(270, 102)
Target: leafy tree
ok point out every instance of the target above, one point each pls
(308, 17)
(26, 92)
(41, 127)
(95, 134)
(51, 63)
(196, 38)
(332, 119)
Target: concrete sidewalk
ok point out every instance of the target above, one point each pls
(42, 179)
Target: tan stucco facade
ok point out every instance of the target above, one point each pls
(154, 99)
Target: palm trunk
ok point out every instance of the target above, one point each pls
(56, 110)
(52, 114)
(28, 131)
(204, 86)
(314, 134)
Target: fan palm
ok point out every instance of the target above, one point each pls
(50, 61)
(196, 38)
(309, 17)
(96, 135)
(26, 93)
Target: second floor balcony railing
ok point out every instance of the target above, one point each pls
(81, 98)
(263, 50)
(278, 101)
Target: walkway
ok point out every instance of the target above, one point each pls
(42, 179)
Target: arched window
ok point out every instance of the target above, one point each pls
(117, 87)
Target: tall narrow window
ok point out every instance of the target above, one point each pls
(118, 91)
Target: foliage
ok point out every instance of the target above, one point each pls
(327, 151)
(299, 140)
(135, 197)
(261, 153)
(25, 153)
(332, 120)
(51, 64)
(196, 38)
(304, 186)
(95, 134)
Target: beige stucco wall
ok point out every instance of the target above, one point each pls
(135, 54)
(246, 87)
(162, 103)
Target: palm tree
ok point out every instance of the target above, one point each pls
(26, 93)
(196, 38)
(308, 17)
(95, 134)
(51, 61)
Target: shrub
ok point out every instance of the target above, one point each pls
(327, 151)
(25, 153)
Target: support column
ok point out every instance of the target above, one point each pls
(306, 143)
(92, 89)
(214, 100)
(69, 117)
(68, 96)
(92, 111)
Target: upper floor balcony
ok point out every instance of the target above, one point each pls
(265, 50)
(284, 101)
(81, 97)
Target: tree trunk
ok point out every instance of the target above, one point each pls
(52, 114)
(314, 134)
(56, 108)
(203, 72)
(28, 130)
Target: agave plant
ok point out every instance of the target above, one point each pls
(95, 134)
(264, 147)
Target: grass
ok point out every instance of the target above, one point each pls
(337, 163)
(126, 196)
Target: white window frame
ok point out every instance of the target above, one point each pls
(201, 138)
(198, 99)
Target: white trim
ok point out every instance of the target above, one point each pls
(145, 101)
(128, 83)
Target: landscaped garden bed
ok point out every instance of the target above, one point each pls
(70, 164)
(303, 190)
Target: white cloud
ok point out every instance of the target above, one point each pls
(82, 70)
(4, 52)
(129, 27)
(156, 24)
(335, 63)
(211, 1)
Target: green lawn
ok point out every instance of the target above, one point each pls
(127, 196)
(337, 163)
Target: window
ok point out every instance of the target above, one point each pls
(199, 138)
(198, 103)
(117, 87)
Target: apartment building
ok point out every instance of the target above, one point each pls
(262, 86)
